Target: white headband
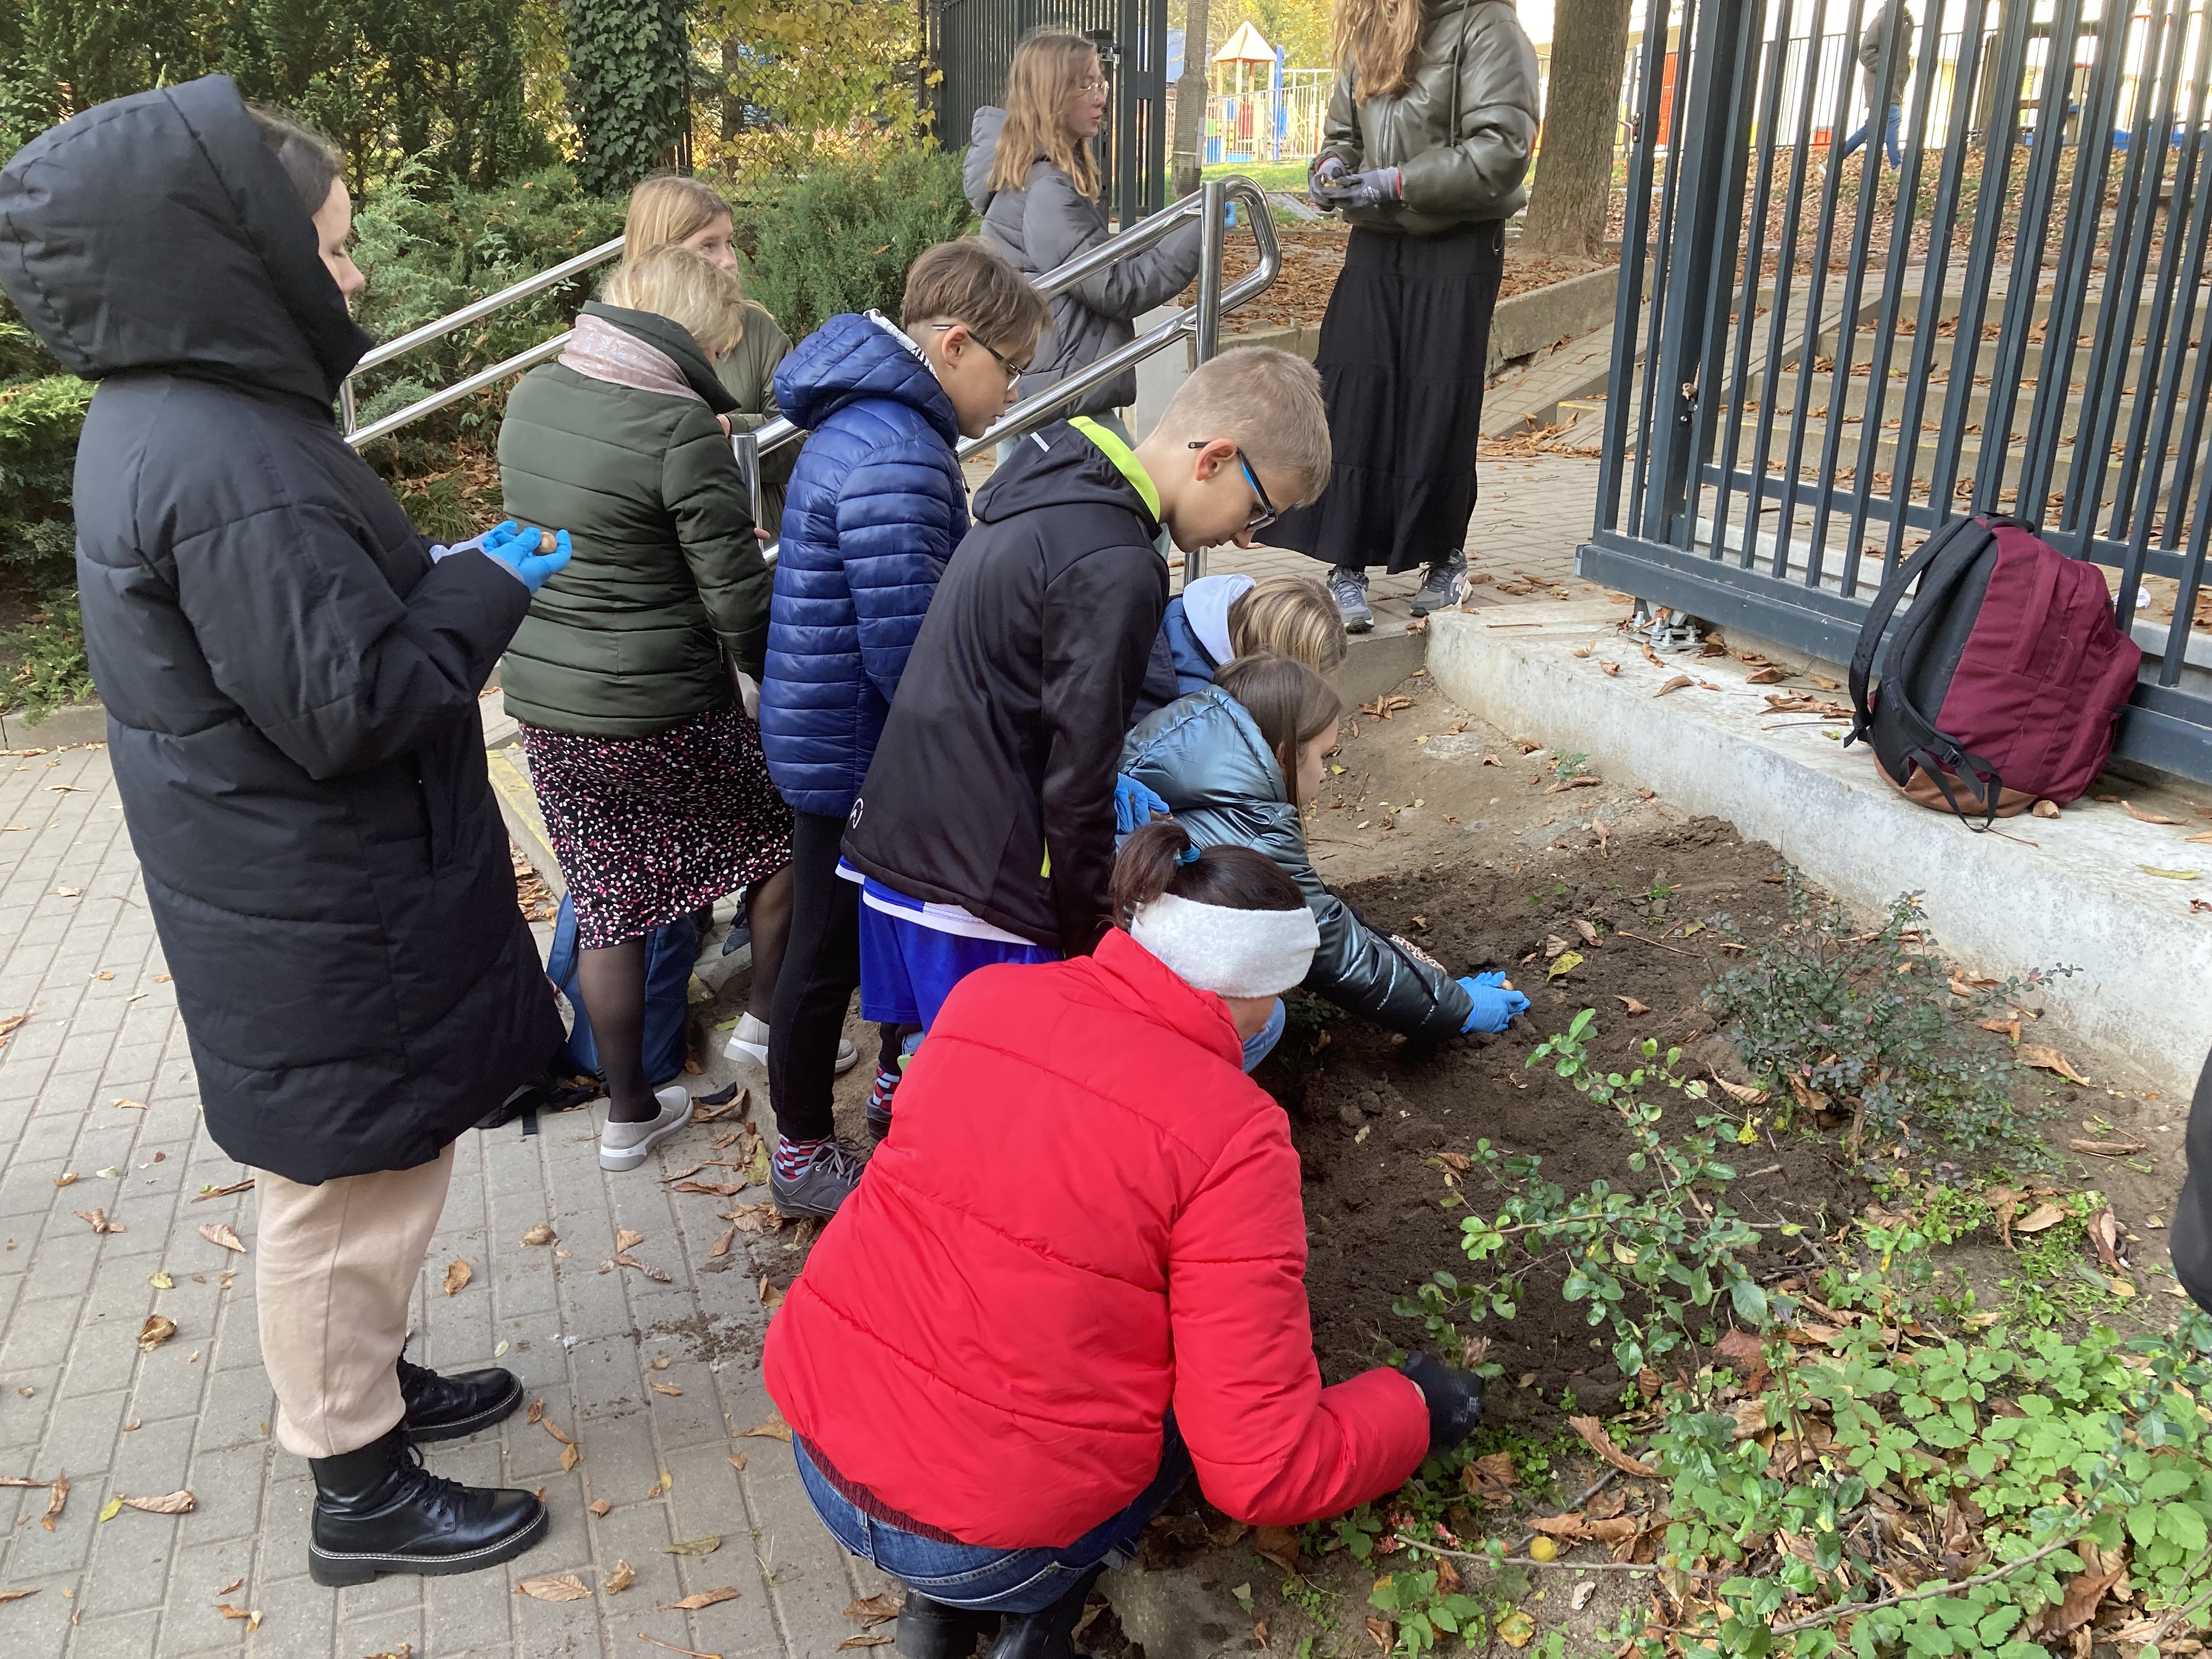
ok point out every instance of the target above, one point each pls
(1231, 953)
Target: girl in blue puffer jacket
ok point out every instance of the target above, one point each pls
(875, 507)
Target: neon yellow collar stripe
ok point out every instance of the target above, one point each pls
(1119, 452)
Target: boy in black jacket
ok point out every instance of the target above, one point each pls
(985, 828)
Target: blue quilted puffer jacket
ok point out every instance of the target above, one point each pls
(875, 507)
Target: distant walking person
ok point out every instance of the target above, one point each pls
(1884, 94)
(291, 675)
(1031, 175)
(1428, 135)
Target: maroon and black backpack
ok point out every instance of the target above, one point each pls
(2003, 684)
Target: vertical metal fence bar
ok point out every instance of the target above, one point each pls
(1816, 294)
(2013, 19)
(1778, 333)
(2029, 238)
(2077, 247)
(1895, 264)
(1628, 301)
(1754, 260)
(1944, 224)
(1663, 268)
(2200, 390)
(2129, 260)
(1874, 153)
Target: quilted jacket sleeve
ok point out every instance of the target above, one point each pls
(1357, 968)
(1057, 224)
(899, 516)
(302, 630)
(706, 492)
(1273, 1447)
(1478, 178)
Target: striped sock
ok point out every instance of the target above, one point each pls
(879, 1097)
(794, 1157)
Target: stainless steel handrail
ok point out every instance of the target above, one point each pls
(415, 338)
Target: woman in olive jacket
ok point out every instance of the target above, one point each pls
(1429, 134)
(656, 797)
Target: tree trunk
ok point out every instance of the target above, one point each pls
(1190, 98)
(1574, 177)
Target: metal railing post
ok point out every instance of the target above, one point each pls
(1206, 326)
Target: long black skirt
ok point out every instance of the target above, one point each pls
(1404, 349)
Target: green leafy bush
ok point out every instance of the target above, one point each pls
(841, 238)
(47, 652)
(1828, 1013)
(41, 414)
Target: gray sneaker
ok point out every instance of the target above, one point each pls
(827, 1182)
(624, 1146)
(1446, 581)
(1348, 588)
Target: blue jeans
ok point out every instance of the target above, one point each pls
(983, 1577)
(1890, 137)
(1262, 1043)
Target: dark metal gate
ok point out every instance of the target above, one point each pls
(972, 41)
(1802, 391)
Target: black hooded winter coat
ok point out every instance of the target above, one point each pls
(291, 683)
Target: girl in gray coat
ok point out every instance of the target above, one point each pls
(1236, 762)
(1031, 174)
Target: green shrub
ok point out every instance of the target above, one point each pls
(39, 418)
(47, 652)
(841, 238)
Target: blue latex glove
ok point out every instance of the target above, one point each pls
(1366, 190)
(1134, 805)
(516, 547)
(1494, 1005)
(1322, 176)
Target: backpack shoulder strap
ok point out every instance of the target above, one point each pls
(1871, 632)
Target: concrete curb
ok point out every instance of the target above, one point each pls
(2078, 896)
(72, 723)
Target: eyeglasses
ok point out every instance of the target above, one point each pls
(1266, 513)
(1085, 89)
(1014, 371)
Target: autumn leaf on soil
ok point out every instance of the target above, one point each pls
(771, 1295)
(874, 1609)
(775, 1429)
(1489, 1479)
(2105, 1238)
(541, 1234)
(179, 1501)
(620, 1579)
(1588, 933)
(1563, 965)
(709, 1598)
(220, 1232)
(1516, 1629)
(2049, 1060)
(1380, 1632)
(2106, 1148)
(2042, 1217)
(1594, 1435)
(706, 1545)
(2141, 816)
(1554, 945)
(626, 1240)
(1633, 1007)
(457, 1274)
(1280, 1546)
(157, 1329)
(555, 1586)
(722, 1245)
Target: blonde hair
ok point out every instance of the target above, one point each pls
(970, 282)
(1044, 74)
(1290, 616)
(1378, 38)
(668, 208)
(688, 288)
(1265, 401)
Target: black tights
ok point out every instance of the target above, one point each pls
(612, 983)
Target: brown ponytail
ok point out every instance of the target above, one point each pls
(1157, 859)
(1291, 703)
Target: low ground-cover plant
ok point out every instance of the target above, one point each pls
(1875, 1024)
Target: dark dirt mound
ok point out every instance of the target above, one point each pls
(1370, 1116)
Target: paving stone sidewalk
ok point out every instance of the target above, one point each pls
(96, 1086)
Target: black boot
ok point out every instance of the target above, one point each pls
(447, 1407)
(379, 1510)
(1049, 1634)
(931, 1629)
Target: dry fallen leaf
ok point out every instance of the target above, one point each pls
(570, 1456)
(1280, 1546)
(549, 1426)
(874, 1641)
(2141, 816)
(541, 1234)
(874, 1609)
(157, 1329)
(536, 1410)
(1516, 1629)
(620, 1579)
(2105, 1238)
(1594, 1435)
(17, 1595)
(775, 1429)
(252, 1615)
(59, 1490)
(100, 1222)
(706, 1545)
(1633, 1007)
(699, 1599)
(738, 1461)
(128, 1105)
(2106, 1148)
(245, 1186)
(1609, 667)
(2045, 809)
(600, 1506)
(220, 1232)
(555, 1586)
(771, 1295)
(1675, 684)
(668, 1389)
(169, 1503)
(2037, 1219)
(2049, 1060)
(722, 1245)
(625, 1239)
(457, 1274)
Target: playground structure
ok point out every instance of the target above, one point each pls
(1257, 108)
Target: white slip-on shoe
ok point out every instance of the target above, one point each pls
(624, 1146)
